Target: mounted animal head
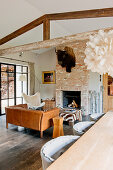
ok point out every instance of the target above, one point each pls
(65, 59)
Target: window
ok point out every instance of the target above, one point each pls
(21, 86)
(11, 87)
(110, 86)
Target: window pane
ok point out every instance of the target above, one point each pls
(8, 82)
(18, 69)
(18, 100)
(18, 86)
(11, 102)
(24, 102)
(110, 86)
(25, 85)
(3, 67)
(10, 68)
(11, 85)
(24, 69)
(110, 90)
(110, 80)
(4, 103)
(4, 88)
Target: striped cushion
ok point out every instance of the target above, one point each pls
(71, 116)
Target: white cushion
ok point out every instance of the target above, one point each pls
(36, 107)
(54, 145)
(95, 116)
(33, 100)
(79, 127)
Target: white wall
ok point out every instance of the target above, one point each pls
(46, 62)
(94, 81)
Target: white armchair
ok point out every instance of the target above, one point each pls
(96, 116)
(33, 100)
(57, 145)
(80, 127)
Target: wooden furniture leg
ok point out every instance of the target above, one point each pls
(6, 125)
(41, 134)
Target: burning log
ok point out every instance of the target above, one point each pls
(73, 104)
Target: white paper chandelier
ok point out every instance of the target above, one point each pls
(99, 53)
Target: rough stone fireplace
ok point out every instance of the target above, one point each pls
(78, 81)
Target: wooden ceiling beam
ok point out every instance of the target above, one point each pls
(22, 30)
(94, 13)
(45, 19)
(46, 29)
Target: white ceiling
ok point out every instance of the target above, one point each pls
(16, 13)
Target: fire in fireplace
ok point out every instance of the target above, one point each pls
(72, 99)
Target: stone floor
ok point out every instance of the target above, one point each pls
(20, 150)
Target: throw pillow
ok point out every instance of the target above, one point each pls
(40, 107)
(35, 108)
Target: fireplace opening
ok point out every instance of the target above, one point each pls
(72, 99)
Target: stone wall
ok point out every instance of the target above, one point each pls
(77, 80)
(80, 79)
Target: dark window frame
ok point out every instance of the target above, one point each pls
(14, 72)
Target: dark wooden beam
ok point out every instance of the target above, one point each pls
(95, 13)
(22, 30)
(46, 29)
(105, 12)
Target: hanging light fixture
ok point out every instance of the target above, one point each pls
(99, 53)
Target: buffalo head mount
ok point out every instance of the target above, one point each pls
(65, 59)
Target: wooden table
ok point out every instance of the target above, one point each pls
(58, 127)
(93, 151)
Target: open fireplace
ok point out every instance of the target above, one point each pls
(72, 99)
